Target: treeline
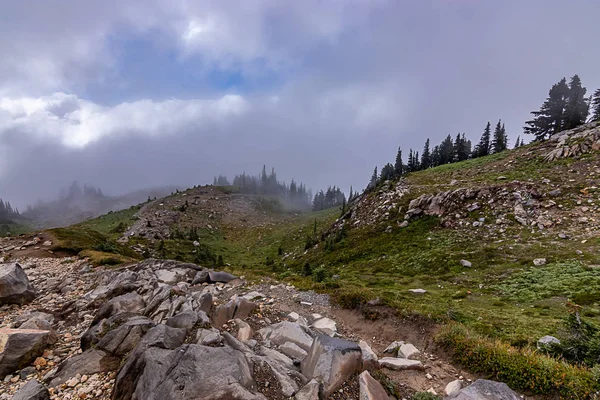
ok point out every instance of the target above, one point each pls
(333, 197)
(566, 107)
(295, 194)
(74, 195)
(7, 211)
(448, 151)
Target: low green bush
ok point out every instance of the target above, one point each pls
(521, 369)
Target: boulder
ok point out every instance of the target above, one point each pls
(393, 347)
(184, 320)
(126, 303)
(236, 308)
(369, 358)
(96, 332)
(547, 342)
(87, 363)
(292, 350)
(35, 320)
(370, 388)
(407, 350)
(400, 364)
(331, 361)
(221, 276)
(326, 326)
(18, 347)
(538, 262)
(245, 332)
(310, 391)
(14, 285)
(286, 331)
(209, 337)
(483, 389)
(201, 277)
(123, 339)
(453, 387)
(466, 263)
(33, 390)
(161, 374)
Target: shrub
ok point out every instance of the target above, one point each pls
(351, 298)
(521, 369)
(307, 269)
(319, 274)
(424, 396)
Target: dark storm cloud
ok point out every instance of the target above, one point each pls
(356, 80)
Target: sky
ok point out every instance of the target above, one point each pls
(129, 94)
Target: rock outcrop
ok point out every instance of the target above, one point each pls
(14, 285)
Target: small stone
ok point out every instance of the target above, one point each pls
(539, 262)
(466, 263)
(417, 291)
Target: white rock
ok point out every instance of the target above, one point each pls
(400, 364)
(417, 291)
(369, 358)
(453, 387)
(326, 326)
(409, 351)
(539, 261)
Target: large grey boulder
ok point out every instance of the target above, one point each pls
(220, 276)
(14, 285)
(126, 303)
(483, 389)
(370, 388)
(285, 331)
(97, 331)
(35, 320)
(124, 338)
(33, 390)
(182, 374)
(18, 347)
(87, 363)
(236, 308)
(331, 361)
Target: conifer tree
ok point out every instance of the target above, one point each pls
(499, 141)
(417, 162)
(373, 181)
(483, 147)
(517, 143)
(387, 172)
(426, 156)
(577, 107)
(446, 151)
(399, 165)
(550, 119)
(435, 156)
(596, 105)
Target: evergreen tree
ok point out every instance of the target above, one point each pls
(373, 181)
(416, 162)
(435, 156)
(550, 119)
(499, 142)
(399, 165)
(462, 148)
(596, 105)
(577, 107)
(517, 143)
(387, 172)
(446, 151)
(426, 157)
(410, 166)
(483, 147)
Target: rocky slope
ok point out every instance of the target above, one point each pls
(170, 330)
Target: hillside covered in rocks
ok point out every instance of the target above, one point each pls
(170, 330)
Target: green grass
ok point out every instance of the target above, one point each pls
(74, 240)
(111, 224)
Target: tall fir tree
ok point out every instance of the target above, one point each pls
(483, 147)
(446, 151)
(417, 162)
(426, 156)
(373, 181)
(517, 143)
(399, 164)
(596, 105)
(499, 141)
(387, 172)
(577, 107)
(435, 156)
(410, 167)
(550, 119)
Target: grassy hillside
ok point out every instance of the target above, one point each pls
(499, 213)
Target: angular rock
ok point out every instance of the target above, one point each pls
(236, 308)
(400, 364)
(293, 351)
(209, 337)
(18, 347)
(245, 332)
(326, 326)
(33, 390)
(127, 303)
(201, 277)
(286, 331)
(370, 388)
(221, 276)
(393, 347)
(407, 350)
(483, 389)
(184, 320)
(160, 374)
(453, 387)
(14, 285)
(331, 361)
(547, 342)
(123, 339)
(310, 391)
(87, 363)
(369, 358)
(35, 320)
